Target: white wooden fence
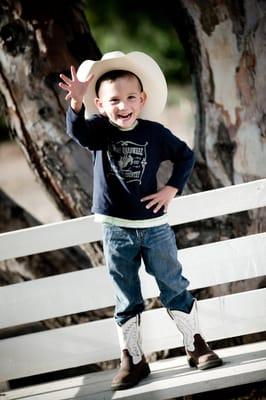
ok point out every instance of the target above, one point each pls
(206, 265)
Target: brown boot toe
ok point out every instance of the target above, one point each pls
(210, 360)
(203, 357)
(130, 374)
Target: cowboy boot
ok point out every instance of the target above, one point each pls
(133, 365)
(198, 352)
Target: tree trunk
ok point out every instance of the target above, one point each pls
(225, 46)
(39, 40)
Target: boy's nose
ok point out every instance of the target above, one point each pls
(122, 105)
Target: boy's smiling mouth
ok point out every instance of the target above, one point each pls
(126, 116)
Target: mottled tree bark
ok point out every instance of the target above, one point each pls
(38, 41)
(225, 46)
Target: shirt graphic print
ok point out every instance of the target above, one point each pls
(127, 160)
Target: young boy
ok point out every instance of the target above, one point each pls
(113, 102)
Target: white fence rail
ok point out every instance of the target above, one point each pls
(189, 208)
(234, 259)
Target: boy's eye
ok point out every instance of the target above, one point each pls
(114, 101)
(131, 97)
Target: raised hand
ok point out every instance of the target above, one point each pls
(75, 88)
(160, 199)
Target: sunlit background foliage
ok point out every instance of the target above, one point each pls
(138, 25)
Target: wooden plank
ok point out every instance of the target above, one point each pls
(212, 203)
(226, 316)
(229, 260)
(169, 378)
(49, 237)
(183, 209)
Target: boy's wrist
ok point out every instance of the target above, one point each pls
(174, 189)
(76, 105)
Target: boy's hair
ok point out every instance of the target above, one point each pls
(112, 76)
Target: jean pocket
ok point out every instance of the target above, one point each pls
(113, 232)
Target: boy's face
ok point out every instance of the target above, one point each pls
(121, 100)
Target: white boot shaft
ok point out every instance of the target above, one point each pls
(129, 336)
(188, 324)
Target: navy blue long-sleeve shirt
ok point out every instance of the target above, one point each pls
(126, 162)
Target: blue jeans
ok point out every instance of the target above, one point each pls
(124, 248)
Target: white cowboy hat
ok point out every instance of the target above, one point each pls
(142, 65)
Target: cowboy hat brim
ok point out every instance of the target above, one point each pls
(142, 65)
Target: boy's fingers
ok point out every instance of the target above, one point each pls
(89, 78)
(63, 86)
(73, 72)
(158, 207)
(150, 197)
(152, 203)
(65, 78)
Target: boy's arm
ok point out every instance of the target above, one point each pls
(87, 132)
(76, 126)
(76, 105)
(182, 156)
(183, 160)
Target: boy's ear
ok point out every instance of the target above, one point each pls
(99, 105)
(143, 97)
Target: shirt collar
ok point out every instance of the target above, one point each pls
(125, 129)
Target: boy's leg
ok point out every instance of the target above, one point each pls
(122, 254)
(159, 254)
(123, 259)
(160, 257)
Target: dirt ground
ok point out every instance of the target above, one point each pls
(20, 183)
